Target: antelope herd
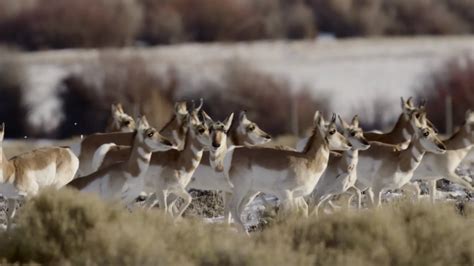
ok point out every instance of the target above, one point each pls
(193, 151)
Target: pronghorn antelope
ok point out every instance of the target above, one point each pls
(438, 166)
(210, 173)
(283, 173)
(402, 131)
(174, 130)
(125, 180)
(341, 175)
(381, 167)
(27, 173)
(171, 171)
(120, 122)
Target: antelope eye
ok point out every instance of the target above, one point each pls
(126, 123)
(353, 133)
(426, 133)
(151, 134)
(251, 128)
(201, 130)
(332, 132)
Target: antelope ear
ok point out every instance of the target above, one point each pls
(422, 105)
(318, 120)
(116, 109)
(2, 127)
(243, 116)
(355, 121)
(228, 122)
(207, 119)
(143, 123)
(180, 108)
(469, 115)
(403, 103)
(343, 123)
(410, 102)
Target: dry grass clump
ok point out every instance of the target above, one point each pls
(61, 227)
(67, 227)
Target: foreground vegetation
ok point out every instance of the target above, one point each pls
(68, 227)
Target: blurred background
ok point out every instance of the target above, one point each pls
(64, 62)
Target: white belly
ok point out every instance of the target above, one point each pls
(205, 178)
(367, 169)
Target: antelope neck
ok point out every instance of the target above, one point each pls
(191, 155)
(139, 159)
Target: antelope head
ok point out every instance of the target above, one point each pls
(354, 133)
(199, 130)
(427, 137)
(122, 121)
(175, 129)
(218, 131)
(151, 139)
(469, 125)
(408, 107)
(250, 132)
(335, 140)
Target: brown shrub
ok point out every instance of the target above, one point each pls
(211, 20)
(454, 78)
(12, 77)
(347, 18)
(87, 97)
(464, 9)
(270, 101)
(162, 23)
(299, 22)
(70, 23)
(410, 17)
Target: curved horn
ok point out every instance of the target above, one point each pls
(423, 103)
(201, 102)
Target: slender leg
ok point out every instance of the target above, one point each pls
(11, 205)
(432, 189)
(187, 200)
(234, 204)
(287, 203)
(226, 197)
(370, 193)
(162, 196)
(301, 206)
(354, 192)
(377, 196)
(453, 177)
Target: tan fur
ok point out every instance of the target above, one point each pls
(111, 181)
(120, 121)
(437, 166)
(381, 167)
(285, 174)
(26, 174)
(91, 143)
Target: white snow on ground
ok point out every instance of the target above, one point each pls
(353, 71)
